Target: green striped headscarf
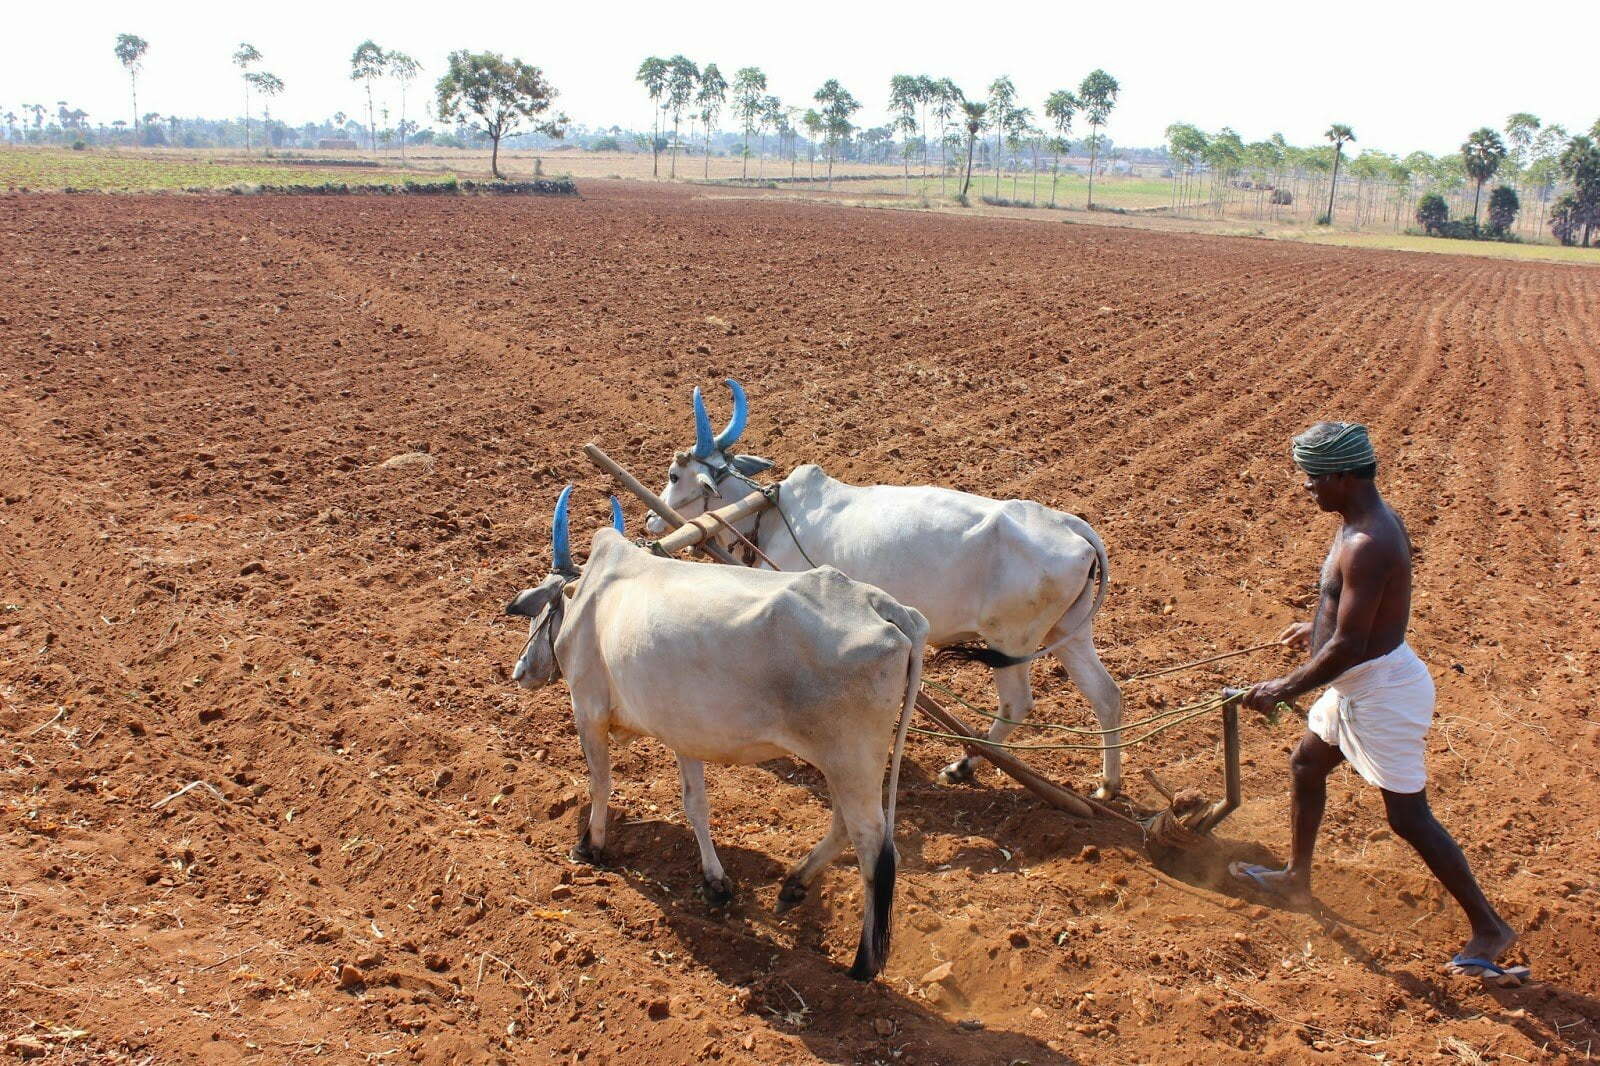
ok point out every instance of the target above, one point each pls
(1333, 448)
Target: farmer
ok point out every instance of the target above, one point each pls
(1379, 701)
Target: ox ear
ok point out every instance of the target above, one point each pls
(530, 603)
(751, 465)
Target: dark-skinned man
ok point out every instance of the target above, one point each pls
(1378, 705)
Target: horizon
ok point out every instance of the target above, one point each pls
(1163, 80)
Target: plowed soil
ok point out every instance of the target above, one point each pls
(272, 467)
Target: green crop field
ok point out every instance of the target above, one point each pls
(111, 170)
(1493, 249)
(1072, 190)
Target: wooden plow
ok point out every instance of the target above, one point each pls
(1186, 822)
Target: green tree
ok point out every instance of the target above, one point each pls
(652, 74)
(1521, 128)
(1186, 146)
(748, 86)
(1432, 213)
(1018, 121)
(947, 100)
(267, 86)
(905, 92)
(1098, 94)
(682, 76)
(404, 70)
(975, 116)
(771, 118)
(711, 97)
(245, 57)
(1060, 107)
(130, 53)
(499, 94)
(1482, 153)
(1503, 207)
(367, 64)
(837, 107)
(1002, 98)
(1338, 135)
(812, 121)
(1579, 209)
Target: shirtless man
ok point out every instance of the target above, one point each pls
(1377, 710)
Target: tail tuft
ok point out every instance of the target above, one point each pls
(873, 951)
(973, 652)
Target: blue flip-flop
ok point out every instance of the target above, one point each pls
(1250, 873)
(1490, 971)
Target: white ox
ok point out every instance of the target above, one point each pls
(731, 665)
(1012, 574)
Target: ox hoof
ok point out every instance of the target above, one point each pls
(1106, 791)
(792, 894)
(585, 852)
(718, 891)
(959, 772)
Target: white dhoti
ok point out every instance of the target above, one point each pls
(1377, 714)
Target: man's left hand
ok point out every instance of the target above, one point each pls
(1265, 697)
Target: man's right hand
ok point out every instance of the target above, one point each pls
(1296, 635)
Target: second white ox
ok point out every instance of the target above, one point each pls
(1012, 574)
(729, 665)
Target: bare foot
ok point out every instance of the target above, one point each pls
(1280, 884)
(1490, 945)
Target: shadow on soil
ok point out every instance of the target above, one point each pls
(793, 966)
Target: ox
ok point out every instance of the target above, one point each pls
(1012, 574)
(730, 665)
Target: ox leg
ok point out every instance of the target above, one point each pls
(692, 772)
(857, 800)
(596, 744)
(1015, 689)
(1089, 674)
(798, 880)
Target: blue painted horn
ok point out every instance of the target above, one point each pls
(616, 516)
(704, 442)
(560, 540)
(741, 412)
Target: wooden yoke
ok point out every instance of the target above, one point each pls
(697, 530)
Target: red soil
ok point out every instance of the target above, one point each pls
(216, 569)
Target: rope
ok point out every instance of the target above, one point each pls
(1055, 726)
(771, 493)
(746, 541)
(1200, 662)
(1198, 710)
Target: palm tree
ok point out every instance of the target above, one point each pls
(1482, 153)
(1098, 95)
(653, 75)
(976, 120)
(1340, 135)
(713, 94)
(130, 53)
(682, 75)
(1018, 119)
(404, 70)
(244, 57)
(1002, 95)
(771, 116)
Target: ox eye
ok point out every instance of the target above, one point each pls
(672, 479)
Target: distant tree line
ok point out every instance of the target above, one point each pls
(1541, 166)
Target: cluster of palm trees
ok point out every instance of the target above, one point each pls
(678, 88)
(1214, 172)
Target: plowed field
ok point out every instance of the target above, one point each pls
(272, 467)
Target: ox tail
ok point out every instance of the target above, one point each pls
(1102, 565)
(875, 940)
(976, 652)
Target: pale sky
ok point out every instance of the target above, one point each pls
(1405, 74)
